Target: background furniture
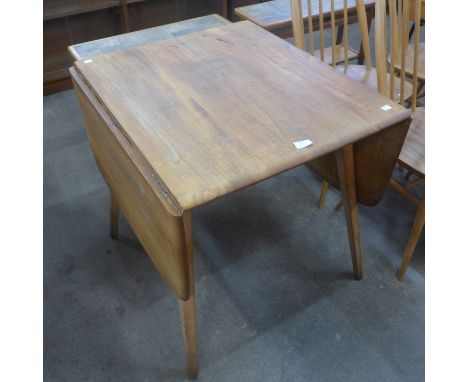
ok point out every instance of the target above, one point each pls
(159, 168)
(69, 22)
(375, 79)
(412, 155)
(409, 54)
(275, 15)
(88, 50)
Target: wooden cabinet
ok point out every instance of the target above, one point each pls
(68, 22)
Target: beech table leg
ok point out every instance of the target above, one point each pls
(346, 171)
(187, 308)
(416, 230)
(114, 217)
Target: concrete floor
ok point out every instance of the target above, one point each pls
(275, 295)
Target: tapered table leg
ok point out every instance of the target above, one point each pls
(416, 230)
(346, 172)
(114, 216)
(187, 308)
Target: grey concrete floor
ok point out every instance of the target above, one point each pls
(276, 300)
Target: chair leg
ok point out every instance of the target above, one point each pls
(114, 217)
(416, 230)
(346, 171)
(339, 205)
(187, 308)
(408, 175)
(323, 194)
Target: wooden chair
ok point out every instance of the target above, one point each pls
(412, 156)
(376, 156)
(340, 51)
(409, 55)
(364, 74)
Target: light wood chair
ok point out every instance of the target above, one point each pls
(339, 51)
(412, 156)
(364, 74)
(409, 55)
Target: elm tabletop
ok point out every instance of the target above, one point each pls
(176, 124)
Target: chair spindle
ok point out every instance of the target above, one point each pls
(417, 21)
(322, 35)
(393, 45)
(381, 46)
(362, 16)
(345, 32)
(403, 45)
(311, 31)
(298, 28)
(333, 30)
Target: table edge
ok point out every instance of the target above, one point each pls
(134, 154)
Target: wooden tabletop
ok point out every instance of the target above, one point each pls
(90, 49)
(277, 13)
(215, 111)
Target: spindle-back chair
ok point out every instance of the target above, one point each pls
(412, 156)
(409, 55)
(378, 78)
(375, 78)
(338, 10)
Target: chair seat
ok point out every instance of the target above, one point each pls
(339, 52)
(368, 77)
(410, 61)
(413, 153)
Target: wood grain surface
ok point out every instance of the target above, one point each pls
(88, 50)
(216, 111)
(413, 152)
(138, 196)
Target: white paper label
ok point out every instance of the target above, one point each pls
(87, 61)
(386, 107)
(302, 144)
